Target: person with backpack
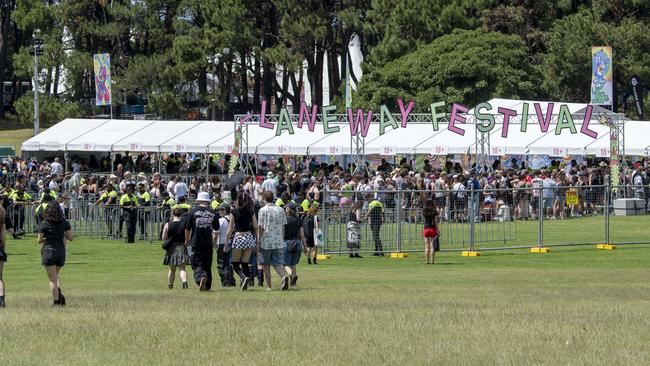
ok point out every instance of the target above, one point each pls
(201, 224)
(309, 225)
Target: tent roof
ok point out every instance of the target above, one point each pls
(104, 136)
(205, 137)
(56, 137)
(301, 142)
(152, 136)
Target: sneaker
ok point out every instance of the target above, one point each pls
(185, 286)
(269, 289)
(57, 303)
(170, 285)
(285, 283)
(294, 280)
(244, 284)
(314, 261)
(308, 260)
(357, 256)
(352, 255)
(260, 283)
(203, 283)
(2, 301)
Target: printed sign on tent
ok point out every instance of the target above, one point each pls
(134, 146)
(389, 150)
(335, 150)
(602, 152)
(283, 150)
(51, 145)
(88, 146)
(181, 148)
(497, 151)
(558, 152)
(440, 150)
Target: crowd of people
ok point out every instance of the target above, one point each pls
(270, 216)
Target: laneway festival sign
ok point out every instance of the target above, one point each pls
(102, 66)
(360, 121)
(602, 81)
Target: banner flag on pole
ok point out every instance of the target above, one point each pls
(602, 81)
(102, 65)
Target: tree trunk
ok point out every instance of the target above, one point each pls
(243, 79)
(257, 86)
(57, 75)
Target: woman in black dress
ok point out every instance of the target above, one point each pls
(176, 256)
(53, 232)
(430, 233)
(3, 255)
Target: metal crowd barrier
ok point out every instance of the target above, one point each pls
(493, 219)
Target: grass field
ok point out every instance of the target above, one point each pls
(574, 306)
(15, 137)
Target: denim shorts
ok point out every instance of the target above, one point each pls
(292, 259)
(273, 257)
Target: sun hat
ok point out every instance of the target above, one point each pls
(203, 197)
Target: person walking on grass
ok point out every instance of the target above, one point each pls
(430, 232)
(270, 243)
(53, 232)
(223, 247)
(294, 238)
(176, 256)
(243, 237)
(201, 226)
(309, 225)
(3, 255)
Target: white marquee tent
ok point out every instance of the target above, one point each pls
(99, 135)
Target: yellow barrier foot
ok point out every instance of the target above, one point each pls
(540, 250)
(469, 253)
(606, 246)
(322, 257)
(399, 255)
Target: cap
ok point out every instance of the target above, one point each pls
(603, 164)
(269, 174)
(291, 205)
(142, 175)
(203, 197)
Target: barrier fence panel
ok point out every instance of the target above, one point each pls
(629, 220)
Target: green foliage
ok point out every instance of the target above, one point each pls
(464, 67)
(51, 110)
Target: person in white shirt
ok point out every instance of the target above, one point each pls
(56, 167)
(269, 183)
(223, 248)
(171, 185)
(180, 188)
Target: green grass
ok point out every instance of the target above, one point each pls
(573, 306)
(15, 138)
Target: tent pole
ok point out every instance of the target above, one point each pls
(65, 157)
(207, 167)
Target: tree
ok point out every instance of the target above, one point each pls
(464, 67)
(567, 64)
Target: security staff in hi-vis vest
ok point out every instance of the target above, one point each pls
(108, 199)
(144, 201)
(20, 199)
(129, 205)
(183, 205)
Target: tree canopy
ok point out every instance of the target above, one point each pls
(182, 56)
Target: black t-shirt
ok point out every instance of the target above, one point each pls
(201, 221)
(54, 232)
(292, 228)
(281, 187)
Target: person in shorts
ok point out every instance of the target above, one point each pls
(3, 255)
(270, 243)
(53, 232)
(294, 238)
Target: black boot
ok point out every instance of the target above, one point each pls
(185, 286)
(308, 260)
(61, 298)
(170, 285)
(352, 255)
(2, 301)
(314, 261)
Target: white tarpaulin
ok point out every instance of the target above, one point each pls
(151, 137)
(103, 137)
(56, 137)
(206, 137)
(301, 142)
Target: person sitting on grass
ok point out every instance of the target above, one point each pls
(53, 232)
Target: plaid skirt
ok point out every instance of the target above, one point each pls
(176, 256)
(244, 241)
